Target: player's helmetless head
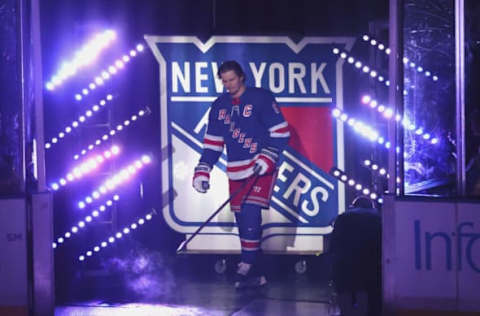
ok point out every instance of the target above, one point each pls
(233, 83)
(233, 77)
(231, 65)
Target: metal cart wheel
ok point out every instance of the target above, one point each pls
(301, 266)
(220, 266)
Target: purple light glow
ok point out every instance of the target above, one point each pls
(118, 235)
(108, 135)
(112, 70)
(87, 166)
(89, 218)
(361, 128)
(82, 118)
(373, 73)
(117, 179)
(387, 113)
(343, 177)
(406, 60)
(83, 57)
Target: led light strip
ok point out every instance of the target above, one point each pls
(113, 132)
(111, 70)
(377, 169)
(342, 176)
(86, 167)
(406, 61)
(81, 224)
(117, 179)
(117, 236)
(359, 65)
(361, 128)
(81, 119)
(388, 114)
(83, 57)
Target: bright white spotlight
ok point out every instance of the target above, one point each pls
(146, 159)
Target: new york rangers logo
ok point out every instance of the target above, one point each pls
(306, 84)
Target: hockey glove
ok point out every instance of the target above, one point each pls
(266, 160)
(201, 177)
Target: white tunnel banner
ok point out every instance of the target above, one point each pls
(306, 79)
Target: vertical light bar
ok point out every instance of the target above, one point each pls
(460, 94)
(395, 98)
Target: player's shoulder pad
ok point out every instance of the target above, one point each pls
(220, 99)
(262, 93)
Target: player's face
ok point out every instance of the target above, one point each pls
(233, 83)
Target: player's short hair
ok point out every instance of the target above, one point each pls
(231, 65)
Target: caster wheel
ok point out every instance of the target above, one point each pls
(220, 266)
(301, 266)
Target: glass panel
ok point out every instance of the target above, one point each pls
(10, 109)
(429, 97)
(472, 97)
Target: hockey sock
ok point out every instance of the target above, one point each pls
(249, 221)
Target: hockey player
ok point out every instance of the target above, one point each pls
(249, 123)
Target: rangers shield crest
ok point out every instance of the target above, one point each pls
(306, 80)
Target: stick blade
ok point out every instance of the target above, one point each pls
(182, 245)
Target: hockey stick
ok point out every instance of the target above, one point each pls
(184, 244)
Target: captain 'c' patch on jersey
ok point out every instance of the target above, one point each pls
(247, 110)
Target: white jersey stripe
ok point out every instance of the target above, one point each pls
(213, 147)
(214, 138)
(239, 175)
(278, 126)
(280, 135)
(239, 163)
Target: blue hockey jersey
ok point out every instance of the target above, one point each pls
(245, 125)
